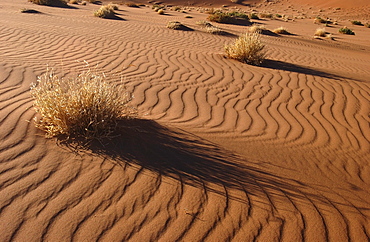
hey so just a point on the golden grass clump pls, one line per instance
(85, 106)
(281, 30)
(248, 48)
(255, 28)
(56, 3)
(105, 11)
(320, 32)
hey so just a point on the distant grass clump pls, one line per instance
(346, 30)
(85, 106)
(253, 16)
(227, 17)
(175, 25)
(266, 15)
(320, 32)
(248, 48)
(106, 11)
(255, 28)
(132, 5)
(160, 11)
(281, 30)
(56, 3)
(355, 22)
(367, 25)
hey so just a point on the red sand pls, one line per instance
(221, 151)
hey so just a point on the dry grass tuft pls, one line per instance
(248, 48)
(85, 106)
(281, 30)
(106, 11)
(320, 32)
(255, 28)
(160, 11)
(56, 3)
(346, 30)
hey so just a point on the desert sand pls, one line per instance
(221, 150)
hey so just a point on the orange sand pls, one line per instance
(222, 150)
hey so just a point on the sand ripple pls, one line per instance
(223, 151)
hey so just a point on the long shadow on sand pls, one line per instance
(285, 66)
(185, 157)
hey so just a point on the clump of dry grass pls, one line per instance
(320, 32)
(281, 30)
(209, 28)
(255, 28)
(160, 11)
(85, 106)
(248, 48)
(57, 3)
(106, 11)
(177, 26)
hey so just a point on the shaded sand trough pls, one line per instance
(222, 150)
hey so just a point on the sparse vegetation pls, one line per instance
(319, 20)
(355, 22)
(227, 17)
(255, 28)
(367, 25)
(281, 30)
(266, 15)
(320, 32)
(56, 3)
(85, 106)
(105, 11)
(131, 5)
(248, 48)
(253, 16)
(176, 25)
(346, 30)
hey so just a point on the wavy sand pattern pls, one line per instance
(223, 151)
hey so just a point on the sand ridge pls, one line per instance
(221, 151)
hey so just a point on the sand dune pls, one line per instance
(221, 150)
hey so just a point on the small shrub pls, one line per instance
(248, 48)
(278, 15)
(56, 3)
(188, 16)
(227, 17)
(266, 15)
(320, 32)
(105, 11)
(255, 28)
(319, 20)
(355, 22)
(346, 30)
(281, 30)
(160, 11)
(113, 6)
(214, 30)
(85, 106)
(204, 23)
(253, 16)
(367, 25)
(131, 5)
(174, 25)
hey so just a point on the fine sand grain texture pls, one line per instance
(221, 150)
